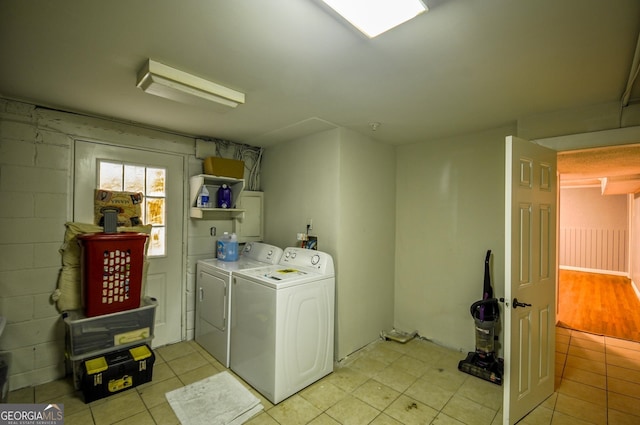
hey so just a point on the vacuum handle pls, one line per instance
(487, 290)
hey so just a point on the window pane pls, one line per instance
(143, 213)
(152, 183)
(110, 176)
(156, 182)
(157, 241)
(155, 211)
(134, 178)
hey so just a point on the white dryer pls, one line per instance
(214, 295)
(282, 328)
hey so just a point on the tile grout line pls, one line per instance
(606, 378)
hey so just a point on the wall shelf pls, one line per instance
(213, 183)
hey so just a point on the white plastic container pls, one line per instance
(203, 198)
(227, 247)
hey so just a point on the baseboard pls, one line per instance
(582, 269)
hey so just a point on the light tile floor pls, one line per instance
(598, 382)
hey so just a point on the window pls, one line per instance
(152, 183)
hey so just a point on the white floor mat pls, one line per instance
(217, 400)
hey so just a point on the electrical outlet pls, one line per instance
(310, 223)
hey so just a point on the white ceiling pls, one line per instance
(465, 66)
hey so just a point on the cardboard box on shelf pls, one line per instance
(224, 167)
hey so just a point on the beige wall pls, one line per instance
(300, 181)
(366, 240)
(594, 230)
(588, 208)
(450, 211)
(576, 121)
(345, 183)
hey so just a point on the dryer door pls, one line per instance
(212, 312)
(212, 300)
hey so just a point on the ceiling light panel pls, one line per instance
(373, 17)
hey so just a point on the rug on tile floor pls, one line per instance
(217, 400)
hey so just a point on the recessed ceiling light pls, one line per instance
(373, 17)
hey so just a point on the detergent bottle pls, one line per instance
(224, 196)
(227, 247)
(203, 198)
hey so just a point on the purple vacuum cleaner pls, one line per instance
(483, 362)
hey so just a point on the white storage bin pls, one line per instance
(91, 336)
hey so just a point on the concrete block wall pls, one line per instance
(34, 199)
(36, 196)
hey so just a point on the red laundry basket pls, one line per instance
(111, 271)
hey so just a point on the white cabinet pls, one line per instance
(213, 183)
(250, 225)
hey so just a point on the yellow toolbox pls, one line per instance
(116, 371)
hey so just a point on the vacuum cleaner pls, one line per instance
(483, 362)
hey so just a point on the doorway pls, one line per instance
(165, 272)
(594, 289)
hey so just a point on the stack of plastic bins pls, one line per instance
(88, 337)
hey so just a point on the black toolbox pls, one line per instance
(116, 371)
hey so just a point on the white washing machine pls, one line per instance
(282, 327)
(214, 295)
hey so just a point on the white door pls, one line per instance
(530, 276)
(165, 272)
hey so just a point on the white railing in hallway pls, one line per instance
(597, 249)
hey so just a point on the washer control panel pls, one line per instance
(319, 261)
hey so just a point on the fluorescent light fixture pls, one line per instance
(373, 17)
(164, 81)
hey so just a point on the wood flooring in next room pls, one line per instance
(598, 303)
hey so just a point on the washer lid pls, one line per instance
(231, 266)
(280, 276)
(279, 273)
(285, 274)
